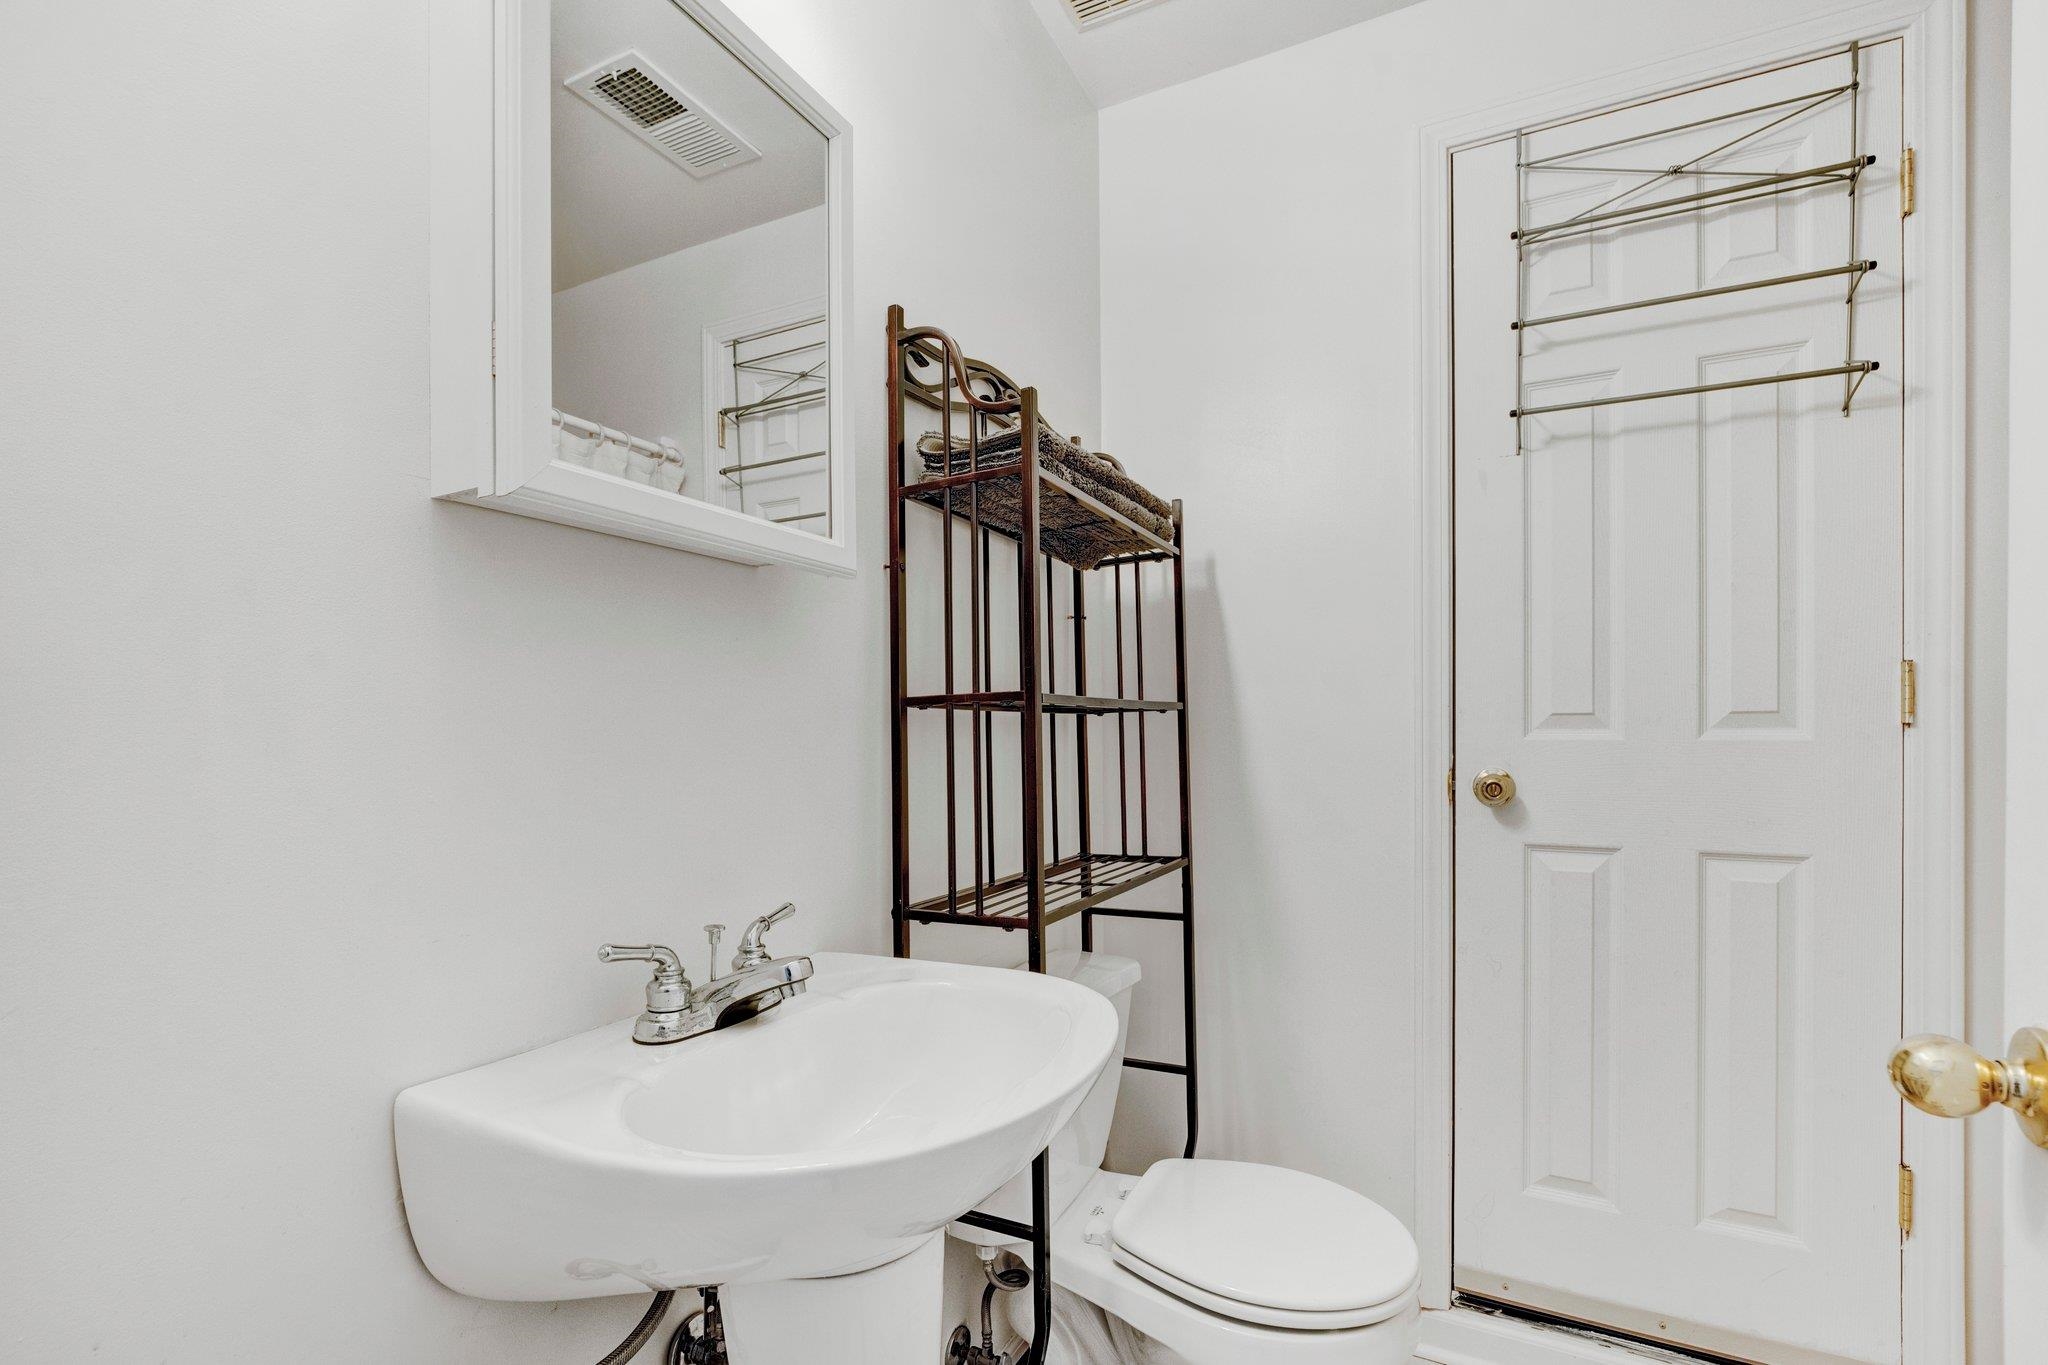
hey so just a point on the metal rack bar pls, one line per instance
(771, 404)
(1852, 382)
(1141, 1064)
(1563, 235)
(1783, 182)
(952, 760)
(1853, 268)
(899, 715)
(1521, 280)
(777, 331)
(731, 469)
(1690, 163)
(1856, 367)
(1144, 766)
(1814, 96)
(1061, 703)
(988, 670)
(1123, 744)
(1172, 1069)
(1052, 724)
(977, 653)
(761, 361)
(996, 1223)
(1654, 171)
(1187, 841)
(1083, 778)
(1032, 834)
(1041, 1260)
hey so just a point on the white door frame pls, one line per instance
(1936, 371)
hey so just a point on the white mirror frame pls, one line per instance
(492, 351)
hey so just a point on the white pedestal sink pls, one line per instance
(834, 1134)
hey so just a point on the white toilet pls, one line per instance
(1216, 1262)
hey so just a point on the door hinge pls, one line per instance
(494, 350)
(1905, 1200)
(1908, 187)
(1909, 691)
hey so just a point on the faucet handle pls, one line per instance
(669, 988)
(714, 932)
(752, 952)
(664, 958)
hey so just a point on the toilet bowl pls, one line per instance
(1216, 1262)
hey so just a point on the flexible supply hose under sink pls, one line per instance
(642, 1331)
(1007, 1272)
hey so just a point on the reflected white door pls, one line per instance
(774, 463)
(1678, 627)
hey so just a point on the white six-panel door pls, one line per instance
(1678, 626)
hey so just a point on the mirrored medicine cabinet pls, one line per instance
(638, 279)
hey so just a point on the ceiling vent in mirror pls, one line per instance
(1089, 13)
(633, 93)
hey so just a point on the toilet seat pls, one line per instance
(1258, 1314)
(1185, 1332)
(1265, 1245)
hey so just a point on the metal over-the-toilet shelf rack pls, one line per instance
(1071, 858)
(1732, 186)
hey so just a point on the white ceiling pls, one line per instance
(617, 201)
(1171, 41)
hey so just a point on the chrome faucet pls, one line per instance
(677, 1010)
(752, 952)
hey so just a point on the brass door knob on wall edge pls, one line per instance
(1951, 1080)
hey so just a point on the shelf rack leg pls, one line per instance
(1187, 872)
(899, 714)
(1031, 710)
(1037, 673)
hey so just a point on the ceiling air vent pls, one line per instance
(633, 93)
(1089, 13)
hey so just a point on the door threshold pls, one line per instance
(1475, 1331)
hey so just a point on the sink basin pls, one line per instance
(834, 1133)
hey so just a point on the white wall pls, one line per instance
(1260, 317)
(315, 787)
(629, 345)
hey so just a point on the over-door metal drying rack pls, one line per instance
(1613, 213)
(786, 395)
(1053, 882)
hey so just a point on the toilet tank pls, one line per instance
(1076, 1148)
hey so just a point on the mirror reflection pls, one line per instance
(690, 267)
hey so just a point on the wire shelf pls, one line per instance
(1071, 886)
(1051, 703)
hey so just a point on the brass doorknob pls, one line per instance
(1951, 1080)
(1494, 787)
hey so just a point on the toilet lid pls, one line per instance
(1265, 1244)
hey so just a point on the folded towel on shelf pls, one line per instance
(1001, 448)
(1068, 529)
